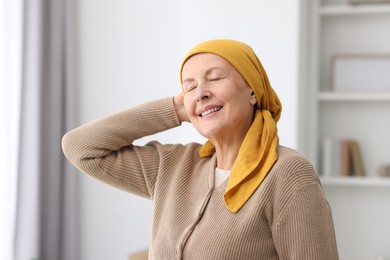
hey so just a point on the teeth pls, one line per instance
(209, 111)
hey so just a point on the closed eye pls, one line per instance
(214, 79)
(190, 87)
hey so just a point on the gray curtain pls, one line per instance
(46, 217)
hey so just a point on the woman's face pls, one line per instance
(217, 99)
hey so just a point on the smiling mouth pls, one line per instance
(209, 111)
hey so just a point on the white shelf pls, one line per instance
(336, 27)
(356, 181)
(355, 9)
(368, 96)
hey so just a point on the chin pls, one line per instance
(208, 129)
(209, 133)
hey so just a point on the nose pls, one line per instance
(202, 92)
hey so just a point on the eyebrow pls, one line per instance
(208, 71)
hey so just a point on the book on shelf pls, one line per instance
(345, 160)
(351, 161)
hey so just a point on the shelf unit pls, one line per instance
(360, 205)
(336, 27)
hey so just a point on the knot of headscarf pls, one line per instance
(257, 153)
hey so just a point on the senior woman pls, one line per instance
(241, 195)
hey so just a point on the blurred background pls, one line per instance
(66, 62)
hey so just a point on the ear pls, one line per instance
(253, 99)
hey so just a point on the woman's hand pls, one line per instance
(179, 106)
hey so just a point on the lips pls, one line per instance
(208, 110)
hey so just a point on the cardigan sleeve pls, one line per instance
(104, 148)
(301, 219)
(306, 231)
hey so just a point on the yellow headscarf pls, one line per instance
(257, 153)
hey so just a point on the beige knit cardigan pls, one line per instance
(287, 217)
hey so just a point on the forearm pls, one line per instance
(110, 134)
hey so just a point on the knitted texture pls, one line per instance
(287, 217)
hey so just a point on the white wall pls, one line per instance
(130, 52)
